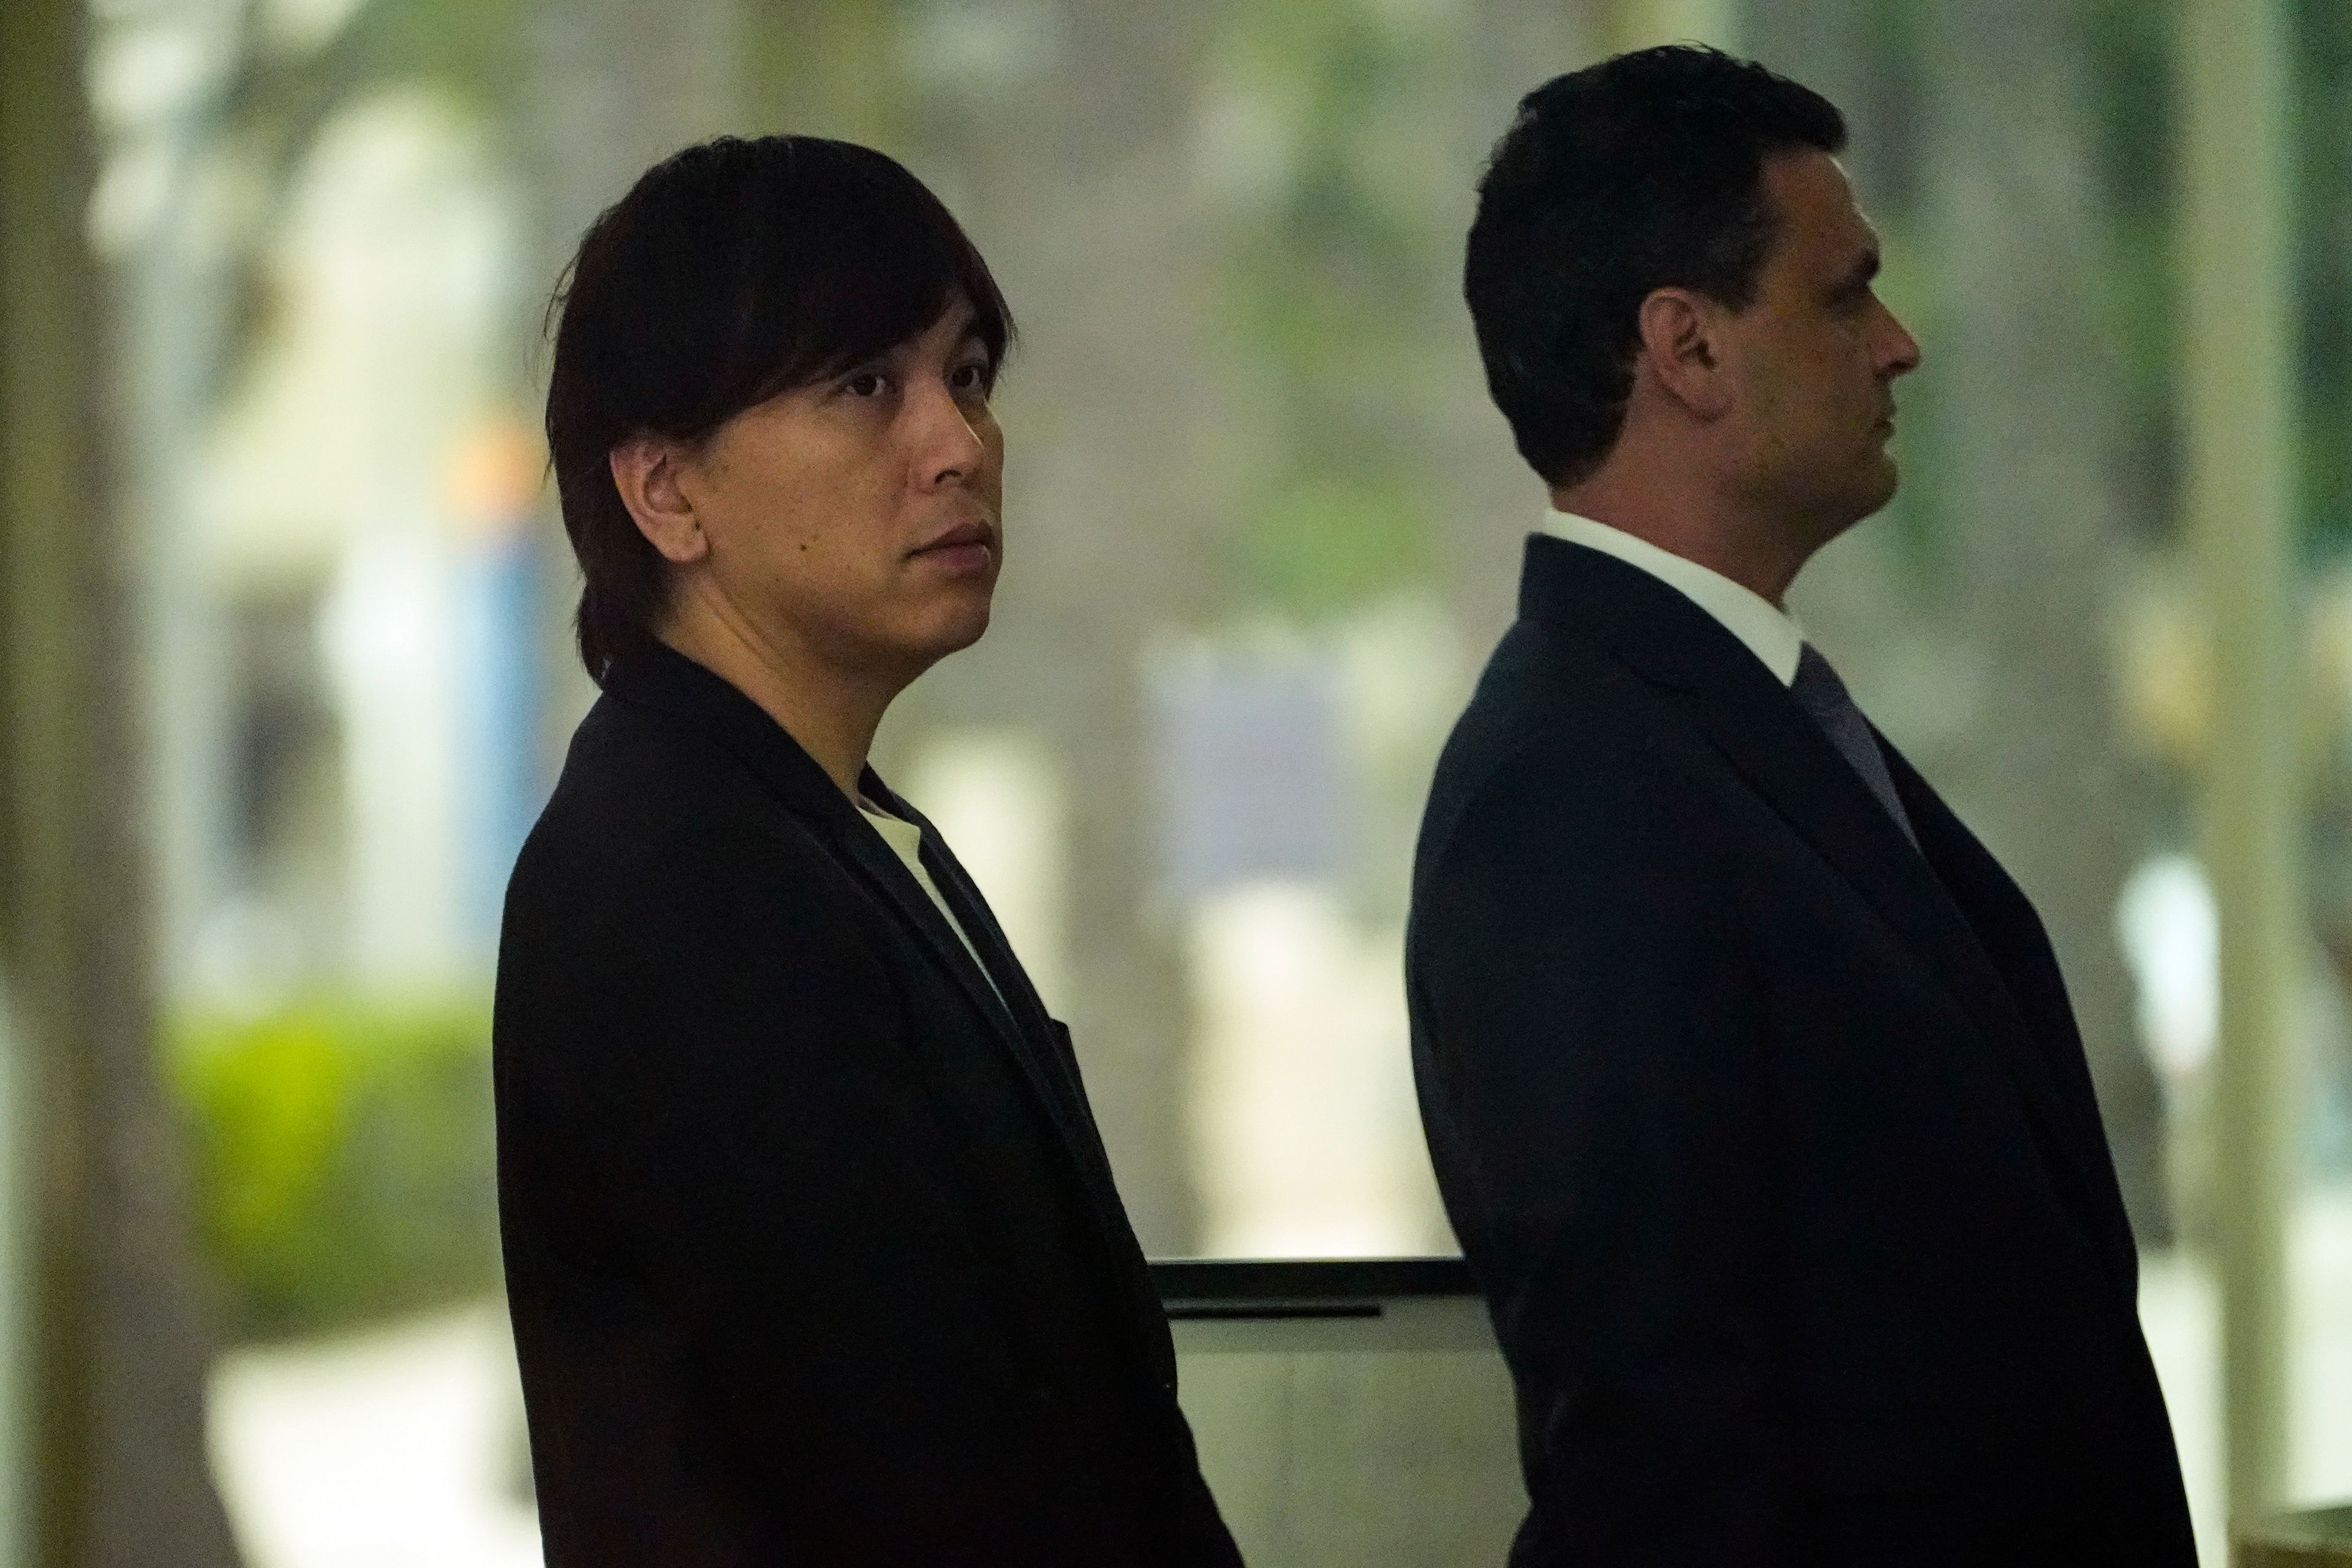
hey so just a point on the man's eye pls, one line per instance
(968, 378)
(865, 384)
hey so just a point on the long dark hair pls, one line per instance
(731, 272)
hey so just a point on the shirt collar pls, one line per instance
(901, 835)
(1770, 633)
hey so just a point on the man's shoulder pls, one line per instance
(1558, 713)
(1568, 755)
(646, 799)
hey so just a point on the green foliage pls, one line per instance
(2136, 122)
(282, 97)
(2320, 132)
(1328, 544)
(1339, 288)
(2132, 49)
(828, 68)
(343, 1158)
(471, 47)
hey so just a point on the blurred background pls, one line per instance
(284, 642)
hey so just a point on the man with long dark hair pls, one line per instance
(1749, 1077)
(812, 1250)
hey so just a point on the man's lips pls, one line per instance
(967, 544)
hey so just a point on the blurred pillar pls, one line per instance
(113, 1471)
(2022, 394)
(2236, 370)
(1638, 24)
(44, 407)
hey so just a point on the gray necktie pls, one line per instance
(1823, 696)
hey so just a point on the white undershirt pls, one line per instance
(1768, 632)
(905, 841)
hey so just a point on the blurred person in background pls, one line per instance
(1750, 1078)
(813, 1251)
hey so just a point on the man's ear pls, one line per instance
(645, 470)
(1681, 336)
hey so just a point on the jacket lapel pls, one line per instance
(1033, 1026)
(878, 865)
(1047, 1041)
(667, 681)
(1011, 1005)
(1039, 1045)
(662, 679)
(1753, 723)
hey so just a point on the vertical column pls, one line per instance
(112, 1356)
(2024, 400)
(1638, 24)
(45, 401)
(2236, 413)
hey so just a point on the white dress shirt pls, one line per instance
(905, 841)
(1765, 629)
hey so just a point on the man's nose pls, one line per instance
(1900, 352)
(946, 445)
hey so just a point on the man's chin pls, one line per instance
(1890, 480)
(1871, 496)
(973, 633)
(1830, 516)
(953, 634)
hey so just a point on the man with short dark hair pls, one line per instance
(1749, 1077)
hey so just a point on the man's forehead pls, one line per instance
(1814, 205)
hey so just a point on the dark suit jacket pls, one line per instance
(1768, 1135)
(811, 1248)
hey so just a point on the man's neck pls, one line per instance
(832, 715)
(1681, 524)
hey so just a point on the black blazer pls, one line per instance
(1769, 1135)
(813, 1252)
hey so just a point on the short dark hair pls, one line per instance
(731, 272)
(1641, 172)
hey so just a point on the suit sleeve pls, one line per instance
(1588, 1040)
